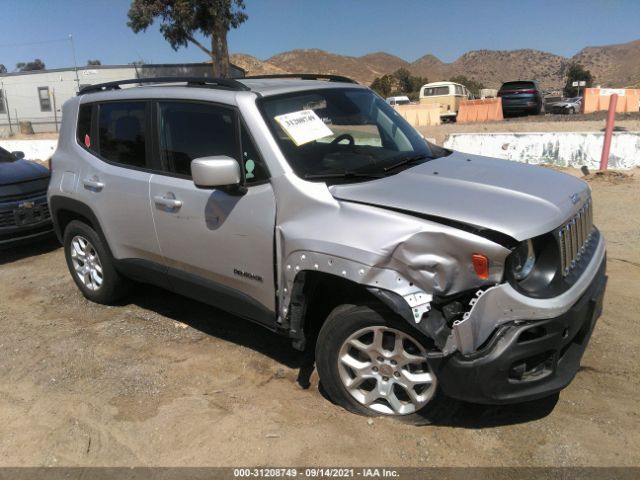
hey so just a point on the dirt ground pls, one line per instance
(165, 381)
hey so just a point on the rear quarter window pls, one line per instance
(518, 86)
(83, 130)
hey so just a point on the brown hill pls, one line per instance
(363, 69)
(495, 67)
(254, 66)
(431, 67)
(612, 65)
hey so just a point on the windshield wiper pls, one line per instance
(406, 161)
(346, 174)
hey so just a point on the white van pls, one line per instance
(447, 94)
(399, 100)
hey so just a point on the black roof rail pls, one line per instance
(223, 83)
(305, 76)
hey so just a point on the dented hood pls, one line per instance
(516, 199)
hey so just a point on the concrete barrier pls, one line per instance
(420, 115)
(33, 149)
(566, 149)
(596, 99)
(485, 110)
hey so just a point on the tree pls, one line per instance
(404, 79)
(3, 69)
(182, 20)
(576, 73)
(472, 85)
(383, 85)
(91, 63)
(37, 64)
(400, 82)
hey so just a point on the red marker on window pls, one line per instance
(87, 141)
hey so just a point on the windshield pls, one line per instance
(343, 133)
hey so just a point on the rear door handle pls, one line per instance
(167, 202)
(93, 184)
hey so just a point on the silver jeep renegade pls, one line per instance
(308, 205)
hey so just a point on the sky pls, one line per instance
(406, 28)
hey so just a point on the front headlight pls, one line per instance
(522, 260)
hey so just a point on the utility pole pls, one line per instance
(6, 107)
(55, 111)
(75, 61)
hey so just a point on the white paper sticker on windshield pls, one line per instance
(303, 126)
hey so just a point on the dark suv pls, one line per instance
(521, 97)
(24, 212)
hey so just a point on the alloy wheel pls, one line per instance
(385, 370)
(86, 263)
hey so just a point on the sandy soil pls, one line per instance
(162, 380)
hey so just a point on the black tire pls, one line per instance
(114, 286)
(344, 321)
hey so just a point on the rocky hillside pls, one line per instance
(612, 65)
(616, 65)
(254, 66)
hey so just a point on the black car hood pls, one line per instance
(18, 171)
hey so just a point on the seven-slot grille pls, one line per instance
(574, 236)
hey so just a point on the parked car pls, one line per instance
(309, 206)
(24, 213)
(521, 97)
(398, 100)
(446, 94)
(568, 106)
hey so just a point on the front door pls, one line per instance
(217, 244)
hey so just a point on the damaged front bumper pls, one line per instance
(525, 359)
(501, 304)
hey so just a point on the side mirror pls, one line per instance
(18, 155)
(216, 171)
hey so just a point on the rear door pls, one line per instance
(217, 244)
(115, 173)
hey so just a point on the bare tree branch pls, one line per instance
(199, 45)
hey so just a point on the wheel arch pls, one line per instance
(314, 294)
(64, 210)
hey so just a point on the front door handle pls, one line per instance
(93, 184)
(167, 202)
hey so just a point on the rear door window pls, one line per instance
(121, 133)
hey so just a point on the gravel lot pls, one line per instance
(165, 381)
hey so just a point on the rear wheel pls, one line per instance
(371, 363)
(91, 265)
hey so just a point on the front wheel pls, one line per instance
(371, 363)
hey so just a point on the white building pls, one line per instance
(37, 96)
